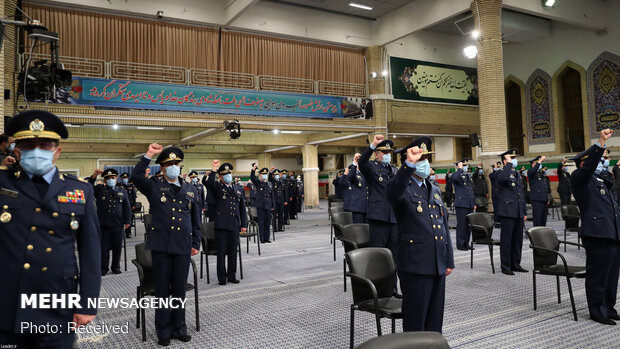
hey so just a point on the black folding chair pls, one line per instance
(571, 217)
(209, 248)
(354, 236)
(545, 245)
(481, 225)
(339, 220)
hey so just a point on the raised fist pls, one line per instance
(254, 166)
(9, 160)
(605, 134)
(346, 171)
(215, 164)
(154, 149)
(377, 139)
(414, 154)
(542, 158)
(97, 173)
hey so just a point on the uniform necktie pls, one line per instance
(40, 184)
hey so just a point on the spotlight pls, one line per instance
(470, 51)
(475, 34)
(548, 3)
(384, 73)
(160, 14)
(115, 126)
(233, 128)
(276, 131)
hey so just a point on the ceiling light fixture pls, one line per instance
(384, 73)
(363, 7)
(475, 34)
(470, 51)
(291, 132)
(115, 126)
(548, 3)
(150, 128)
(276, 131)
(373, 74)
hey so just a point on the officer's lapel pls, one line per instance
(26, 186)
(55, 187)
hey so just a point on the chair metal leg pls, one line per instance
(138, 309)
(334, 243)
(491, 256)
(125, 249)
(207, 264)
(344, 273)
(247, 245)
(378, 324)
(143, 315)
(258, 242)
(393, 325)
(240, 262)
(564, 239)
(201, 262)
(331, 234)
(196, 301)
(572, 299)
(352, 327)
(557, 281)
(471, 265)
(534, 284)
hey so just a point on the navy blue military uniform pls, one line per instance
(538, 192)
(286, 192)
(175, 230)
(300, 194)
(279, 200)
(464, 202)
(480, 183)
(230, 217)
(448, 189)
(200, 189)
(494, 191)
(424, 245)
(292, 205)
(265, 203)
(511, 210)
(338, 189)
(114, 211)
(132, 194)
(563, 184)
(44, 221)
(600, 233)
(380, 216)
(252, 188)
(355, 194)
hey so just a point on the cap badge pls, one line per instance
(37, 126)
(173, 155)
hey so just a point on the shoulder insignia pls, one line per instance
(61, 176)
(4, 168)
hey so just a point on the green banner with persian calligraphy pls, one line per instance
(433, 82)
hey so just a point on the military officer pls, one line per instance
(464, 202)
(433, 177)
(511, 210)
(114, 211)
(563, 183)
(425, 255)
(377, 173)
(230, 219)
(300, 194)
(449, 190)
(480, 183)
(158, 174)
(210, 200)
(175, 235)
(252, 188)
(292, 204)
(338, 190)
(495, 189)
(46, 217)
(600, 231)
(286, 192)
(133, 195)
(355, 191)
(538, 191)
(265, 201)
(278, 194)
(200, 190)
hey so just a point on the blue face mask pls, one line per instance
(173, 171)
(565, 169)
(465, 167)
(514, 162)
(37, 162)
(433, 177)
(227, 178)
(599, 168)
(277, 177)
(283, 176)
(263, 176)
(480, 171)
(496, 169)
(606, 163)
(545, 172)
(194, 180)
(111, 182)
(387, 158)
(11, 146)
(422, 168)
(125, 181)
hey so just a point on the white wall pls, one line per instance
(443, 148)
(288, 163)
(567, 42)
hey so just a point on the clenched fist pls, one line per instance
(414, 154)
(96, 173)
(377, 139)
(605, 134)
(154, 149)
(215, 164)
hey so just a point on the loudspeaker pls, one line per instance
(473, 138)
(7, 94)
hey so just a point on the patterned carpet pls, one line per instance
(292, 297)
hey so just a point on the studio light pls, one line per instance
(470, 51)
(363, 7)
(548, 3)
(233, 128)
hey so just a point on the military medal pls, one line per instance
(359, 185)
(419, 209)
(5, 217)
(513, 184)
(380, 179)
(602, 191)
(163, 198)
(103, 198)
(224, 197)
(74, 224)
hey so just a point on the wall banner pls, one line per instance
(169, 97)
(603, 86)
(538, 100)
(433, 82)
